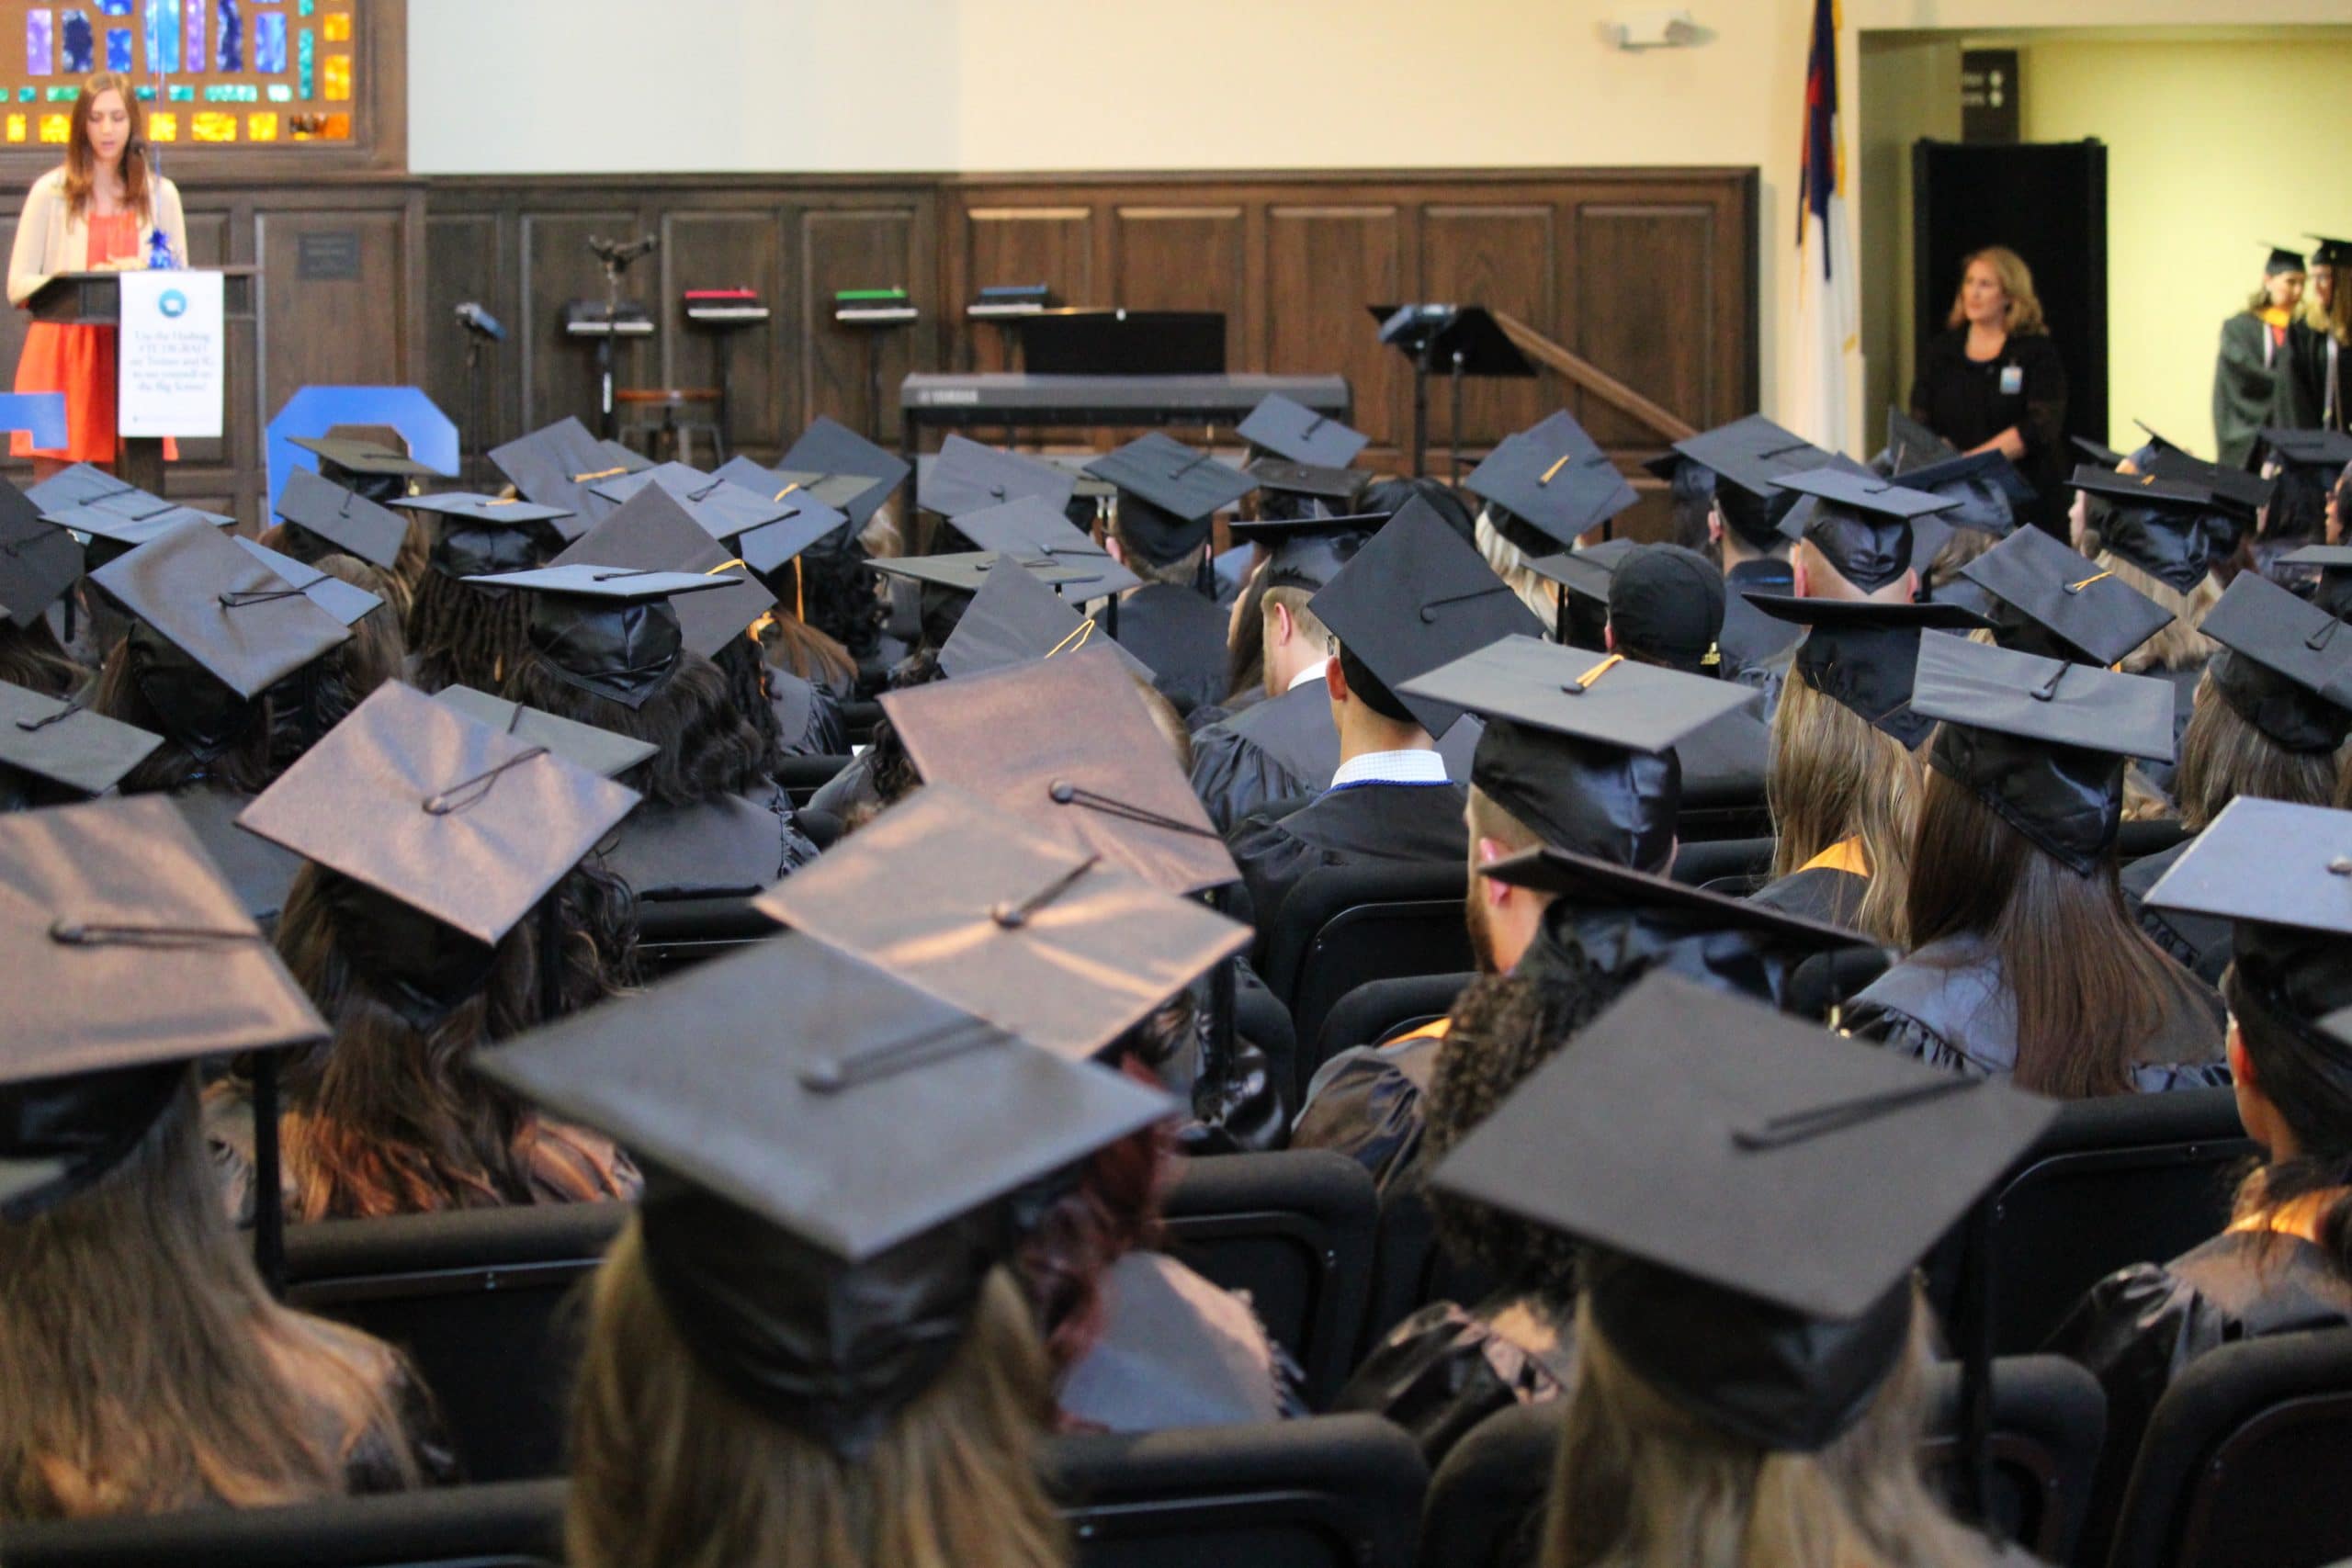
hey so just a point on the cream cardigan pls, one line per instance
(49, 242)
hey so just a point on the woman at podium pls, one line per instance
(103, 210)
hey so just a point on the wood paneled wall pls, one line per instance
(1650, 273)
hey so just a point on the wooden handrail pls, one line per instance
(1594, 380)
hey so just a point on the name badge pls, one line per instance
(2012, 380)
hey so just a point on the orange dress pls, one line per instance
(79, 361)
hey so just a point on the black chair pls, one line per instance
(1332, 1491)
(1260, 1018)
(678, 933)
(1343, 925)
(482, 1301)
(1733, 866)
(2244, 1459)
(2135, 840)
(2130, 1179)
(1379, 1010)
(1826, 982)
(804, 776)
(1294, 1229)
(2048, 1419)
(859, 719)
(514, 1524)
(1410, 1269)
(1701, 821)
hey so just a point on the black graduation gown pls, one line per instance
(1282, 748)
(1181, 635)
(258, 871)
(2139, 1327)
(2254, 384)
(1947, 1006)
(1823, 893)
(1367, 1103)
(1965, 403)
(807, 715)
(1345, 826)
(2200, 942)
(1750, 637)
(732, 845)
(2320, 360)
(1448, 1367)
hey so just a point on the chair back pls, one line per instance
(516, 1523)
(1379, 1010)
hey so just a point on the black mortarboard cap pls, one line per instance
(2054, 602)
(653, 531)
(39, 561)
(1416, 597)
(139, 958)
(1307, 551)
(2098, 452)
(1860, 521)
(1032, 532)
(2330, 253)
(243, 624)
(347, 601)
(2333, 592)
(1335, 490)
(967, 572)
(601, 751)
(439, 812)
(2283, 873)
(1988, 492)
(340, 520)
(2279, 654)
(1016, 619)
(854, 496)
(1290, 430)
(66, 746)
(2168, 529)
(478, 535)
(824, 1180)
(1169, 494)
(364, 458)
(1554, 480)
(2329, 450)
(830, 447)
(1776, 1315)
(1862, 655)
(1578, 747)
(1066, 746)
(969, 475)
(2040, 742)
(555, 464)
(2283, 260)
(1750, 457)
(609, 630)
(2238, 496)
(721, 508)
(1911, 444)
(976, 906)
(460, 505)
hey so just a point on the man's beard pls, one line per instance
(1476, 915)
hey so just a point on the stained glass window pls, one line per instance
(265, 71)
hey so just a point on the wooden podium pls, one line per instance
(95, 299)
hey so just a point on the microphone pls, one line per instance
(613, 253)
(474, 319)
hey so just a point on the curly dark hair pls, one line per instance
(744, 665)
(1505, 1027)
(464, 637)
(317, 697)
(240, 767)
(707, 749)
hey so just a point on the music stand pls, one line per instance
(1463, 340)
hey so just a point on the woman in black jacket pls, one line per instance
(1993, 380)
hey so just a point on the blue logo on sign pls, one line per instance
(174, 302)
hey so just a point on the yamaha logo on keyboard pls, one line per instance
(938, 396)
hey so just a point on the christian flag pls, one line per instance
(1828, 289)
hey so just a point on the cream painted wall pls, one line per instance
(2213, 148)
(614, 86)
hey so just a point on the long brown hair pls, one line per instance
(386, 1119)
(2182, 642)
(1834, 775)
(791, 643)
(2091, 990)
(32, 658)
(707, 747)
(146, 1369)
(1640, 1482)
(2022, 316)
(2224, 757)
(82, 159)
(671, 1466)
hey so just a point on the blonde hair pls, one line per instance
(2181, 643)
(2023, 318)
(1510, 564)
(145, 1369)
(1834, 775)
(670, 1466)
(1302, 620)
(1641, 1482)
